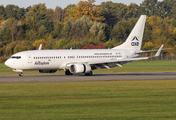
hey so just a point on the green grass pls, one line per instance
(136, 66)
(98, 100)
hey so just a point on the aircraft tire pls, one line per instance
(20, 74)
(89, 74)
(67, 72)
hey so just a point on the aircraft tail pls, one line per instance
(134, 39)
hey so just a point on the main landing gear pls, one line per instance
(89, 74)
(67, 72)
(20, 74)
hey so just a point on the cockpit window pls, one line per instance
(16, 57)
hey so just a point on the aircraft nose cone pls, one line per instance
(7, 63)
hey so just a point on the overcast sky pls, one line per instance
(62, 3)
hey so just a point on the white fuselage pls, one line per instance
(57, 59)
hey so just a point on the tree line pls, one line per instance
(85, 24)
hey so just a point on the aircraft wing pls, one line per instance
(112, 63)
(128, 59)
(120, 60)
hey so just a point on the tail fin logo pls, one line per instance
(137, 41)
(135, 38)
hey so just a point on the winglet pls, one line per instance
(159, 51)
(40, 47)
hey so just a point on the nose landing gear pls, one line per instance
(20, 71)
(20, 74)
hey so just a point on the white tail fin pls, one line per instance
(134, 40)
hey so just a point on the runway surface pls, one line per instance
(95, 77)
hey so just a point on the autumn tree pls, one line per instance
(86, 8)
(159, 31)
(98, 31)
(111, 12)
(23, 46)
(2, 12)
(36, 15)
(65, 30)
(14, 29)
(114, 12)
(58, 14)
(174, 11)
(39, 17)
(13, 11)
(41, 31)
(4, 32)
(50, 14)
(31, 35)
(163, 8)
(132, 11)
(56, 33)
(80, 28)
(38, 42)
(122, 29)
(68, 12)
(148, 7)
(60, 43)
(85, 29)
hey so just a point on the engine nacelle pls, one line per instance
(47, 71)
(79, 68)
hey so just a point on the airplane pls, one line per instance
(79, 61)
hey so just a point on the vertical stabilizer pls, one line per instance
(134, 40)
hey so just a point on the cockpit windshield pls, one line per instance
(15, 57)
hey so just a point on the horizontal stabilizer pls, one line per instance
(146, 51)
(159, 51)
(151, 51)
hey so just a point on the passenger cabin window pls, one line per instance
(53, 57)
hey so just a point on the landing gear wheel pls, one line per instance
(67, 72)
(20, 74)
(89, 74)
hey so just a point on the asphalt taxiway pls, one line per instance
(95, 77)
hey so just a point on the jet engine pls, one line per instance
(47, 71)
(79, 68)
